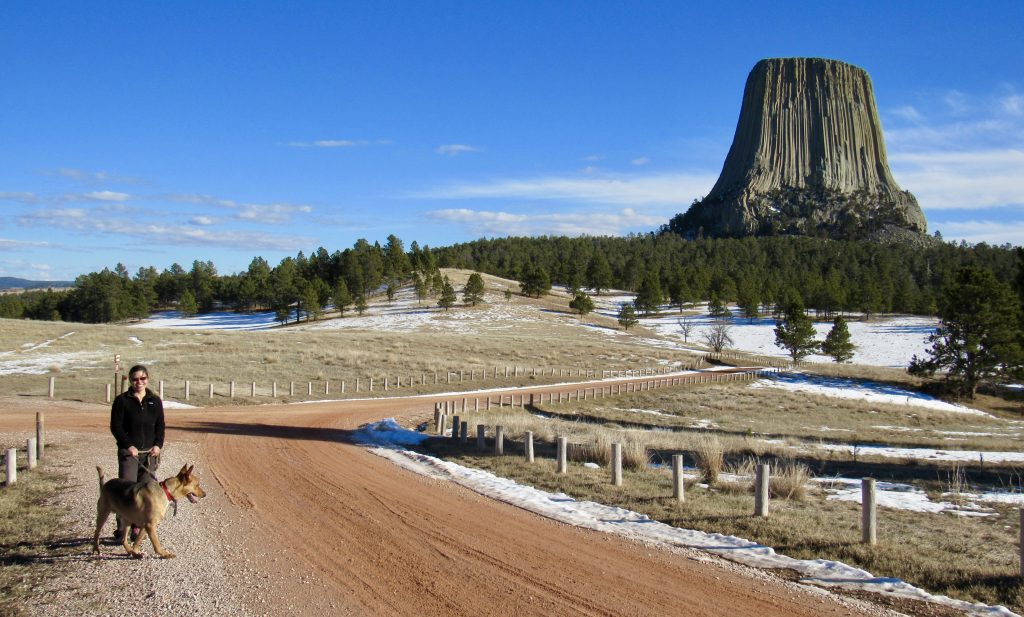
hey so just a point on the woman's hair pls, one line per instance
(137, 368)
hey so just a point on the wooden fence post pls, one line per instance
(481, 436)
(51, 387)
(563, 445)
(273, 389)
(528, 446)
(186, 389)
(617, 464)
(252, 391)
(761, 490)
(12, 466)
(211, 390)
(309, 388)
(40, 435)
(869, 522)
(464, 432)
(231, 390)
(499, 440)
(455, 428)
(108, 392)
(678, 487)
(161, 391)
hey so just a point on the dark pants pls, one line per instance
(130, 468)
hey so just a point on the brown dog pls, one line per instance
(143, 505)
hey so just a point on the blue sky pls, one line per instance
(155, 133)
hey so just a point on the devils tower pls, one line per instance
(808, 158)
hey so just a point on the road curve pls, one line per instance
(350, 533)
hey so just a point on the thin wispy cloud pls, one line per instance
(653, 190)
(963, 180)
(20, 197)
(162, 234)
(202, 220)
(499, 223)
(270, 213)
(640, 161)
(992, 232)
(7, 244)
(91, 177)
(203, 200)
(101, 196)
(455, 149)
(329, 143)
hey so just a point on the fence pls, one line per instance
(186, 390)
(34, 449)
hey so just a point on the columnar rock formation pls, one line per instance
(808, 158)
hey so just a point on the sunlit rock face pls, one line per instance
(808, 158)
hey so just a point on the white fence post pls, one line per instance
(30, 450)
(869, 522)
(12, 466)
(528, 445)
(563, 445)
(678, 487)
(617, 464)
(761, 490)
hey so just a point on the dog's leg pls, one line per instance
(102, 513)
(132, 550)
(151, 529)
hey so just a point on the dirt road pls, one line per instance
(348, 532)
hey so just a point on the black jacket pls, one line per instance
(137, 424)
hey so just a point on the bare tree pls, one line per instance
(717, 336)
(686, 328)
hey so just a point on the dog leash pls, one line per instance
(173, 501)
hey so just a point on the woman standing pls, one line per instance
(137, 423)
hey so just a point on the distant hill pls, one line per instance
(11, 282)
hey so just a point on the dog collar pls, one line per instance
(170, 497)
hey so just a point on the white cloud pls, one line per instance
(455, 149)
(161, 234)
(7, 244)
(270, 213)
(498, 223)
(962, 180)
(593, 158)
(1013, 105)
(676, 190)
(21, 197)
(640, 161)
(201, 199)
(329, 143)
(202, 220)
(105, 196)
(992, 232)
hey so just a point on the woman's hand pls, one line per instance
(155, 451)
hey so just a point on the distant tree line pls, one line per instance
(828, 276)
(757, 274)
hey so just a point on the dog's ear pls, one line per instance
(184, 471)
(190, 468)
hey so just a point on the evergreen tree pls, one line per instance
(508, 295)
(342, 297)
(717, 308)
(473, 292)
(448, 298)
(420, 287)
(979, 335)
(187, 304)
(795, 333)
(599, 273)
(837, 343)
(627, 316)
(360, 303)
(649, 296)
(536, 281)
(582, 303)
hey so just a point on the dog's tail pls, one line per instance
(99, 470)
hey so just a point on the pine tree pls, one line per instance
(599, 273)
(649, 296)
(360, 304)
(978, 337)
(837, 343)
(187, 305)
(342, 298)
(448, 298)
(582, 303)
(627, 316)
(795, 333)
(473, 292)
